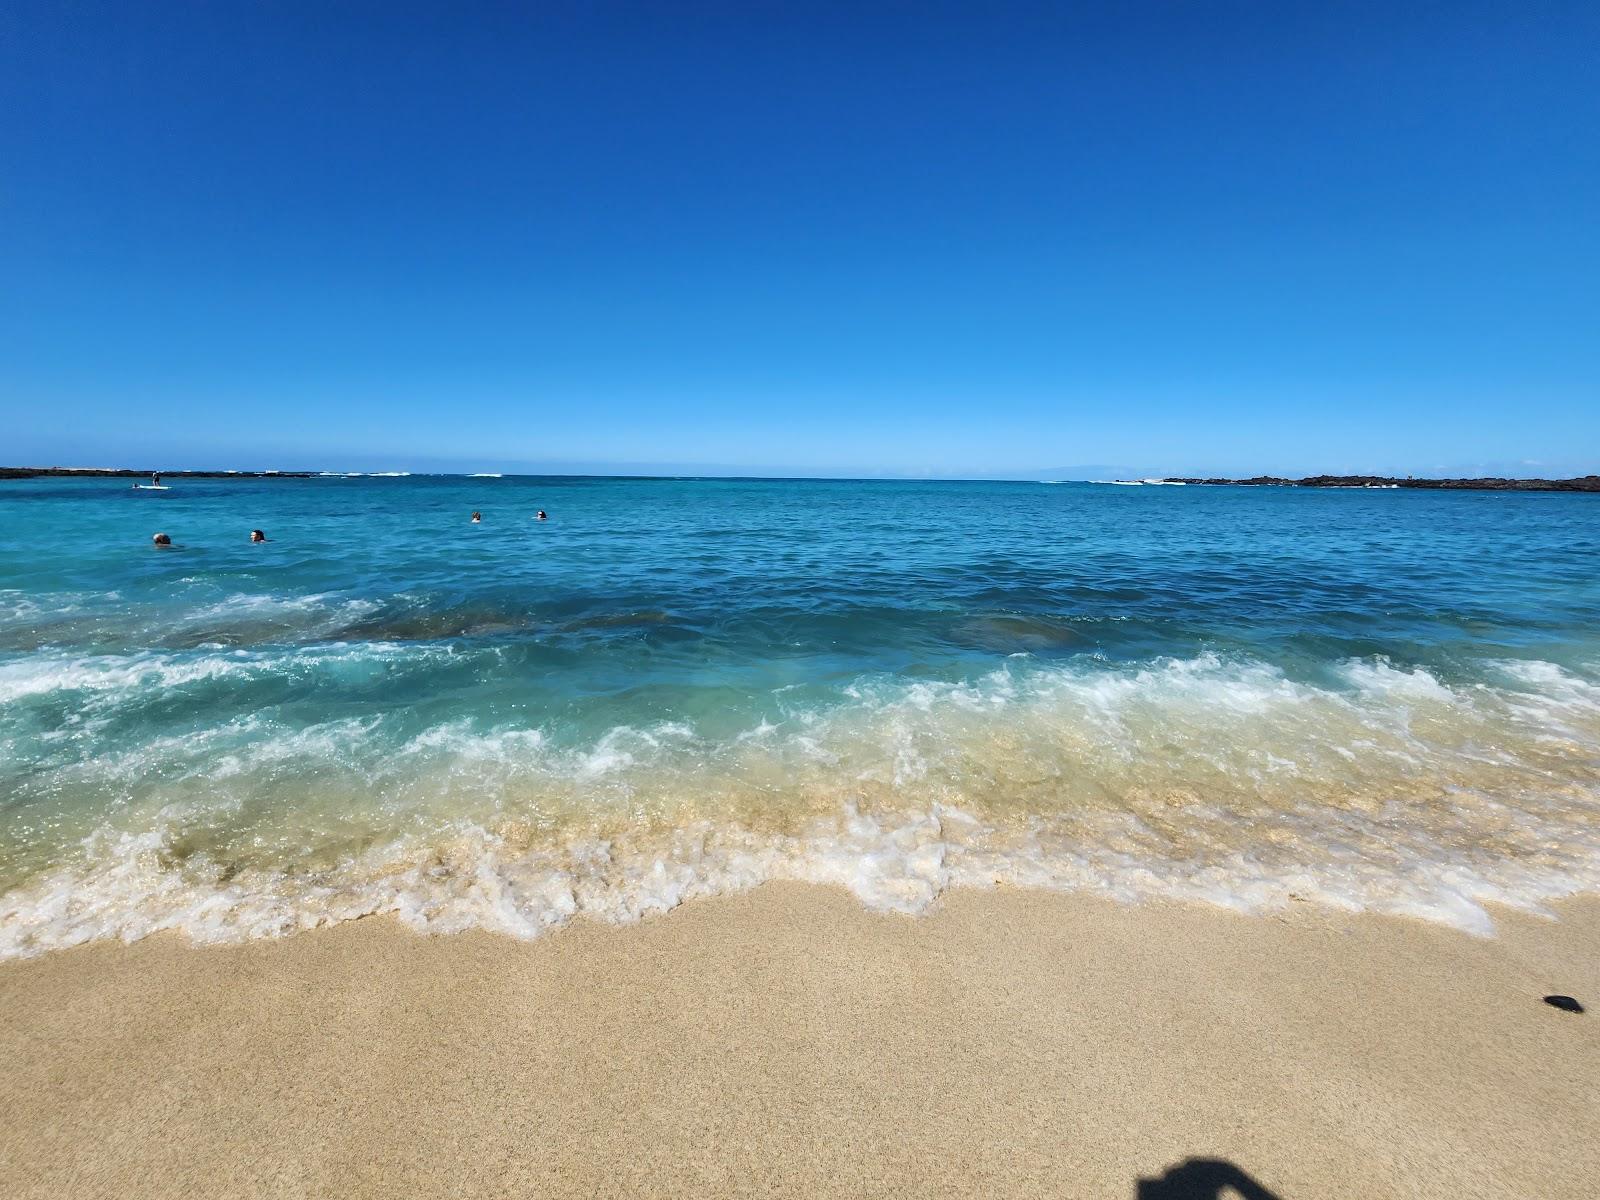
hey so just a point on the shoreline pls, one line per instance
(788, 1041)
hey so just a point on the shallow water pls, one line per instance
(1374, 699)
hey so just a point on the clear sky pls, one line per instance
(912, 238)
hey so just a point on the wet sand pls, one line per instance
(788, 1042)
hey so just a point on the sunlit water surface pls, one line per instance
(1372, 699)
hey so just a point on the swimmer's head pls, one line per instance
(257, 536)
(541, 516)
(476, 517)
(161, 539)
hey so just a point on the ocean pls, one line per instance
(1251, 697)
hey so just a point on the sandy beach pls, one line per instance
(790, 1042)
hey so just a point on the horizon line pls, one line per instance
(19, 471)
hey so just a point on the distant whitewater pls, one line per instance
(674, 689)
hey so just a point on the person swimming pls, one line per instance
(257, 536)
(161, 539)
(477, 518)
(540, 516)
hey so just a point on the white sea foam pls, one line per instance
(310, 615)
(127, 887)
(21, 608)
(1204, 779)
(116, 673)
(129, 676)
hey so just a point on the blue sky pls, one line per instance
(860, 239)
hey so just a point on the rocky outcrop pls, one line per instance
(1583, 483)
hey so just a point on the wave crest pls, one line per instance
(1213, 779)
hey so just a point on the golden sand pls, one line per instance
(788, 1042)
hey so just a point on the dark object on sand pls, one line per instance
(1564, 1003)
(1202, 1179)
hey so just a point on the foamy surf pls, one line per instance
(130, 886)
(1206, 779)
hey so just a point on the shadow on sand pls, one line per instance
(1202, 1179)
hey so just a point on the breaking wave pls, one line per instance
(1221, 779)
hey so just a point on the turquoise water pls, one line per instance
(1374, 699)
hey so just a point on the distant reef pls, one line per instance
(120, 473)
(1584, 483)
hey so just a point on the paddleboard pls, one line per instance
(151, 487)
